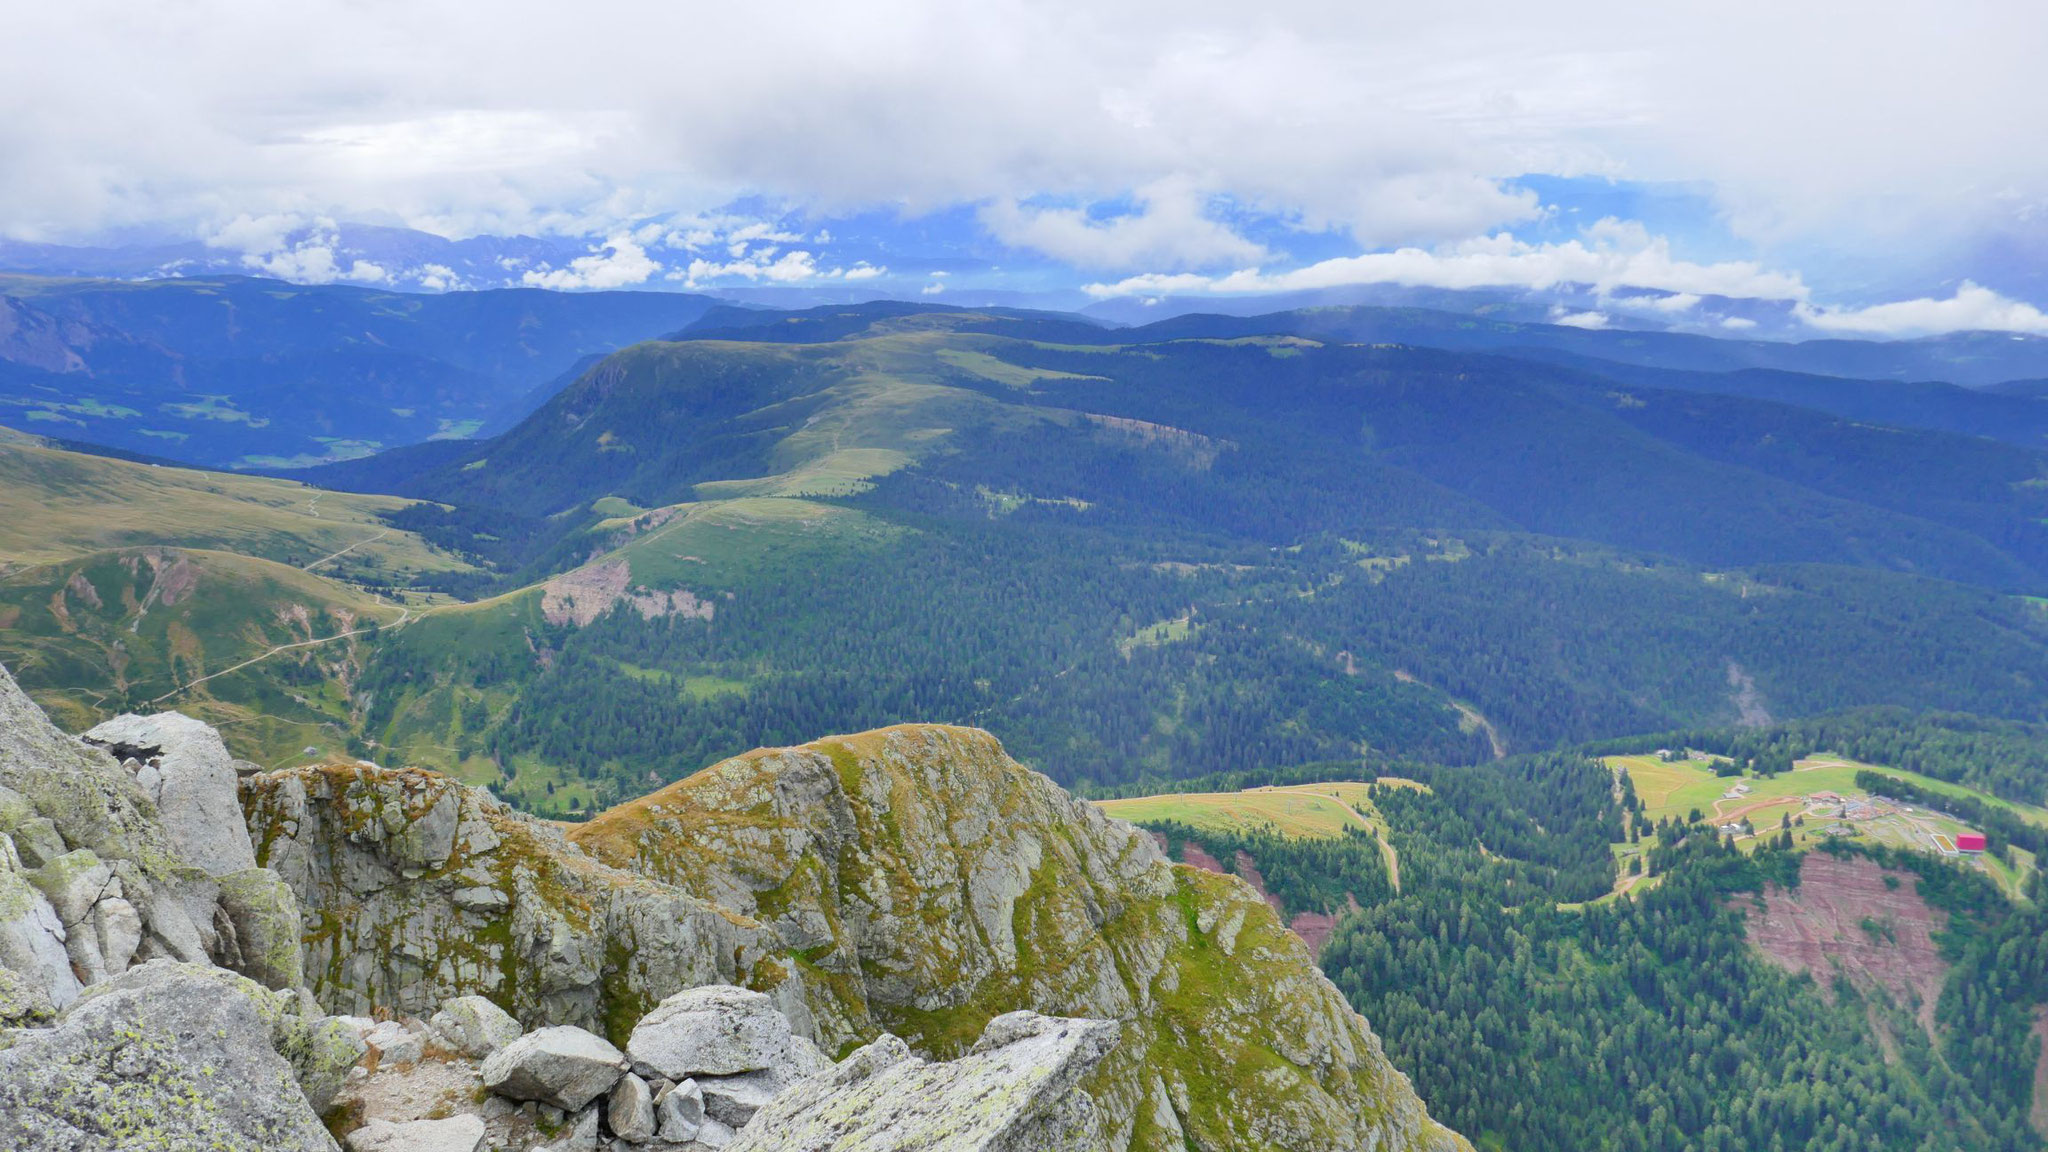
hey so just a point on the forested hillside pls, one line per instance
(1148, 561)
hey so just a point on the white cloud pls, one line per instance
(618, 263)
(1670, 305)
(1972, 308)
(1171, 228)
(290, 248)
(1611, 257)
(1737, 323)
(439, 278)
(1592, 320)
(770, 264)
(1399, 127)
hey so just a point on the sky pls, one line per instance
(1873, 168)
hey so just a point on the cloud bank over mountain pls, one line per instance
(1856, 161)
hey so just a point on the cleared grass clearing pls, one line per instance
(720, 543)
(1315, 811)
(1677, 788)
(1005, 373)
(844, 472)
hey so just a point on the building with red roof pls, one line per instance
(1969, 842)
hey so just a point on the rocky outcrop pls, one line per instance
(922, 883)
(914, 881)
(185, 770)
(93, 876)
(1018, 1090)
(418, 889)
(1852, 918)
(174, 1056)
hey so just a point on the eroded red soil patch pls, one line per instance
(1312, 927)
(1844, 919)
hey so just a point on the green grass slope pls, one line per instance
(268, 653)
(56, 505)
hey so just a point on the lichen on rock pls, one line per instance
(180, 1059)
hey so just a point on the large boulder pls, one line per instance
(473, 1026)
(921, 882)
(179, 1061)
(320, 1049)
(259, 928)
(1016, 1091)
(32, 939)
(563, 1067)
(717, 1030)
(185, 769)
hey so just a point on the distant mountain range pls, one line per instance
(232, 371)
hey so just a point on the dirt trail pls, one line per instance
(404, 614)
(1475, 720)
(1387, 852)
(350, 548)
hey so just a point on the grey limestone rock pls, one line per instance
(680, 1112)
(183, 1061)
(473, 1026)
(23, 1004)
(32, 939)
(319, 1049)
(192, 784)
(449, 892)
(581, 1136)
(395, 1044)
(735, 1099)
(630, 1111)
(455, 1134)
(715, 1134)
(563, 1067)
(715, 1030)
(122, 883)
(1016, 1092)
(263, 913)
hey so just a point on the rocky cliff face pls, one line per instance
(909, 899)
(93, 875)
(418, 889)
(914, 881)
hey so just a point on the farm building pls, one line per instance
(1969, 842)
